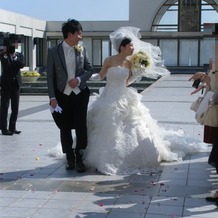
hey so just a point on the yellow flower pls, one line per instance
(140, 60)
(30, 73)
(79, 48)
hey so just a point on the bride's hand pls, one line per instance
(95, 76)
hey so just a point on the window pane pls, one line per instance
(97, 52)
(105, 49)
(209, 17)
(188, 53)
(169, 52)
(207, 50)
(39, 53)
(170, 17)
(51, 43)
(209, 14)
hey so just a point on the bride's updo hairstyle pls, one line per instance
(124, 42)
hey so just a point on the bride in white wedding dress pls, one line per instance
(122, 135)
(123, 138)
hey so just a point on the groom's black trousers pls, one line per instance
(73, 116)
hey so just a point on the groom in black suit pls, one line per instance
(68, 69)
(11, 62)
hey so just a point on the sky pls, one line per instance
(61, 10)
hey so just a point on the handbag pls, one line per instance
(203, 106)
(195, 105)
(210, 117)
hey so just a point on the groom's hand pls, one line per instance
(73, 83)
(53, 103)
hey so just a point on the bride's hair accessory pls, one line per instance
(156, 67)
(120, 34)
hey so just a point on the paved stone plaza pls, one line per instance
(33, 184)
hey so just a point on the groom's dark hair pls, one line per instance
(71, 26)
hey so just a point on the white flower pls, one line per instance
(140, 60)
(79, 48)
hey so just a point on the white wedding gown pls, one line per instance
(122, 136)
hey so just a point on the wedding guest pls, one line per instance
(213, 161)
(11, 81)
(211, 131)
(68, 69)
(210, 81)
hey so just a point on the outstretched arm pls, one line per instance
(198, 89)
(202, 77)
(101, 75)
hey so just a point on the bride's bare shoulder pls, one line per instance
(108, 61)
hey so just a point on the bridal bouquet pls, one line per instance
(140, 60)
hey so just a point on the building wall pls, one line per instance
(28, 26)
(142, 12)
(20, 24)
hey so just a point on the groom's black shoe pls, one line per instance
(212, 199)
(70, 165)
(6, 132)
(15, 131)
(80, 167)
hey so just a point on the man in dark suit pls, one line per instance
(11, 62)
(68, 69)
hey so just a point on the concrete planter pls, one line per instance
(29, 79)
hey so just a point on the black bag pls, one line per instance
(196, 83)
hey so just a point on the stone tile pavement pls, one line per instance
(32, 184)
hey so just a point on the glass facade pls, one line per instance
(172, 13)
